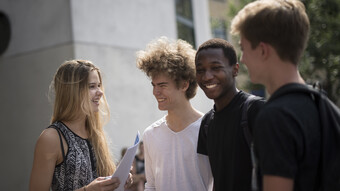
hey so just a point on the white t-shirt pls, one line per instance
(171, 159)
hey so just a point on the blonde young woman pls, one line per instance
(72, 153)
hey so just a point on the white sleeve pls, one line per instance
(150, 178)
(205, 171)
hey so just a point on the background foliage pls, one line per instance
(321, 59)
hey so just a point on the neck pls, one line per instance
(141, 155)
(77, 126)
(179, 118)
(225, 99)
(282, 74)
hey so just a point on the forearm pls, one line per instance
(277, 183)
(82, 189)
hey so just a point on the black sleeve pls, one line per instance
(203, 133)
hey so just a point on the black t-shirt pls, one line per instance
(287, 140)
(224, 142)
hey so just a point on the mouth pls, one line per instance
(160, 99)
(209, 86)
(96, 101)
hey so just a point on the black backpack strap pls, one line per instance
(244, 121)
(249, 140)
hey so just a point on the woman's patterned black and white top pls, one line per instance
(78, 168)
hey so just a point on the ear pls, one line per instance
(265, 50)
(235, 69)
(185, 85)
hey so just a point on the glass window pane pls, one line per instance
(184, 8)
(186, 33)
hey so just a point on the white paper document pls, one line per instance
(123, 169)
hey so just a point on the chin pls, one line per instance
(95, 109)
(210, 96)
(161, 108)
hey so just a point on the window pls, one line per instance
(219, 29)
(185, 24)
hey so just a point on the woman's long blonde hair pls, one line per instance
(71, 89)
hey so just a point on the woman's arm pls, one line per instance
(46, 154)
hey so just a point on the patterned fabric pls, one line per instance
(79, 165)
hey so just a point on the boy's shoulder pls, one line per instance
(155, 125)
(290, 90)
(253, 102)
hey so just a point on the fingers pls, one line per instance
(115, 183)
(129, 181)
(108, 183)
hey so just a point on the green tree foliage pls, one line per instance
(321, 61)
(233, 8)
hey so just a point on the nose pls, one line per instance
(99, 92)
(208, 75)
(156, 91)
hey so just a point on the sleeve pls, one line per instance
(150, 179)
(202, 136)
(277, 143)
(205, 171)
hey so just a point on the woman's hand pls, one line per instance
(109, 184)
(129, 181)
(103, 184)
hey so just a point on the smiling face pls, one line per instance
(214, 74)
(95, 91)
(168, 95)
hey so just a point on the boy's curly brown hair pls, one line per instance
(173, 58)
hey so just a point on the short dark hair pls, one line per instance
(228, 49)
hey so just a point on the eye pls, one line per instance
(94, 86)
(199, 71)
(216, 67)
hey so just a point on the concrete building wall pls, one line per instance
(45, 33)
(25, 110)
(40, 40)
(37, 24)
(201, 16)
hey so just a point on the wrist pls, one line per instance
(85, 188)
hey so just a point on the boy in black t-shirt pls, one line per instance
(286, 134)
(221, 136)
